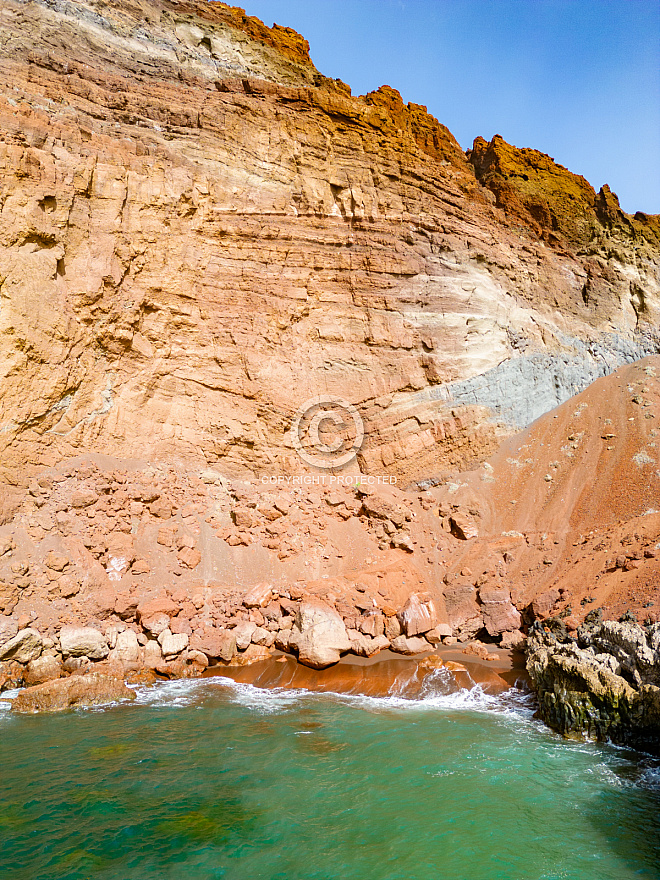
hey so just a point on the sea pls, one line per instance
(214, 778)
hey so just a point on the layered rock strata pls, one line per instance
(199, 232)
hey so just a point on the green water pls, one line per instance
(205, 781)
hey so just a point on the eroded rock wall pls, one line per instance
(198, 232)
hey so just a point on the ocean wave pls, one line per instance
(268, 701)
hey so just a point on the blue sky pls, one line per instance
(578, 79)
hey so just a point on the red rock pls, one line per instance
(155, 624)
(126, 607)
(83, 498)
(189, 557)
(438, 633)
(160, 605)
(543, 605)
(409, 645)
(513, 640)
(57, 561)
(242, 518)
(418, 615)
(499, 614)
(258, 596)
(165, 536)
(477, 649)
(372, 625)
(68, 693)
(216, 643)
(463, 527)
(161, 509)
(140, 566)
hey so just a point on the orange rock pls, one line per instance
(190, 557)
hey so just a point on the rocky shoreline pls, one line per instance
(152, 644)
(603, 684)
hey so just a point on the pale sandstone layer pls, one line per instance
(198, 232)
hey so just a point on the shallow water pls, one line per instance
(208, 779)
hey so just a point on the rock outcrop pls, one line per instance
(605, 684)
(70, 693)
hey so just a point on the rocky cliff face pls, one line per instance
(198, 232)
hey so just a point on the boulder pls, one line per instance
(56, 561)
(323, 636)
(127, 648)
(217, 643)
(83, 641)
(438, 633)
(172, 644)
(365, 646)
(499, 614)
(189, 557)
(72, 692)
(153, 655)
(372, 625)
(465, 615)
(359, 642)
(126, 607)
(155, 625)
(392, 628)
(197, 657)
(44, 668)
(8, 628)
(462, 527)
(9, 596)
(412, 645)
(258, 596)
(379, 643)
(25, 646)
(544, 603)
(263, 637)
(83, 497)
(252, 654)
(418, 615)
(477, 649)
(243, 633)
(514, 641)
(161, 605)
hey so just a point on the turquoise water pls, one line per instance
(201, 780)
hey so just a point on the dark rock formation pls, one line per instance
(605, 684)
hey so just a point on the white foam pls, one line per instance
(266, 701)
(650, 778)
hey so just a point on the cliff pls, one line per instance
(199, 232)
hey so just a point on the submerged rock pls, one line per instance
(604, 685)
(68, 693)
